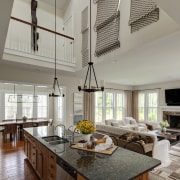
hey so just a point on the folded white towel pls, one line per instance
(106, 145)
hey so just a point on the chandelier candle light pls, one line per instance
(90, 88)
(56, 92)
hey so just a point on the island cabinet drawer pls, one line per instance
(51, 166)
(52, 157)
(52, 176)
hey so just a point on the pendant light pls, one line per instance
(56, 91)
(88, 87)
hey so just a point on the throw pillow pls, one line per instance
(114, 124)
(127, 119)
(133, 121)
(149, 127)
(108, 121)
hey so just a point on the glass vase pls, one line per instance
(163, 129)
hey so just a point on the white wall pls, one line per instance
(13, 74)
(128, 41)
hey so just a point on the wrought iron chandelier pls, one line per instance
(88, 87)
(56, 91)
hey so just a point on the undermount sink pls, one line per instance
(62, 141)
(51, 138)
(54, 140)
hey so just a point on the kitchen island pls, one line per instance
(121, 165)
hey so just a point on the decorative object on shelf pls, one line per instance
(164, 124)
(88, 87)
(56, 91)
(86, 127)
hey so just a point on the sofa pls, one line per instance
(127, 123)
(138, 141)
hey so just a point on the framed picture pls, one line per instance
(78, 107)
(78, 98)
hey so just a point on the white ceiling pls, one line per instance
(155, 62)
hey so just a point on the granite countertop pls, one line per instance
(121, 165)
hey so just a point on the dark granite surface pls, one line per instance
(121, 165)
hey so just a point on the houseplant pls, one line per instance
(86, 127)
(164, 124)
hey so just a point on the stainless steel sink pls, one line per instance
(54, 140)
(62, 141)
(51, 138)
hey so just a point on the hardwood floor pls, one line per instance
(13, 162)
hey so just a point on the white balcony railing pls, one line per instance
(19, 42)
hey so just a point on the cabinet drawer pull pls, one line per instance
(52, 157)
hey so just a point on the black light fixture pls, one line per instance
(56, 91)
(90, 72)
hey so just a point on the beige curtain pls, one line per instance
(128, 103)
(135, 104)
(89, 106)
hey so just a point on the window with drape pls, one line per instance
(148, 104)
(59, 109)
(107, 26)
(10, 108)
(27, 101)
(109, 105)
(143, 13)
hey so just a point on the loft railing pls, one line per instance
(19, 42)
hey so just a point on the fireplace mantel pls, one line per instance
(170, 109)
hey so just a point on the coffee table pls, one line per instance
(172, 136)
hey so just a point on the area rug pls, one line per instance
(172, 170)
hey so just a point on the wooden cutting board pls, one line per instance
(106, 151)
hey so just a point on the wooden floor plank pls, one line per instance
(13, 162)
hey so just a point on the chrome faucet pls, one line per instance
(75, 131)
(61, 125)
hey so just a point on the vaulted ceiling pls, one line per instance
(151, 62)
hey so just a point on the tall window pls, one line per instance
(60, 108)
(27, 108)
(42, 106)
(10, 108)
(109, 105)
(148, 106)
(119, 106)
(98, 106)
